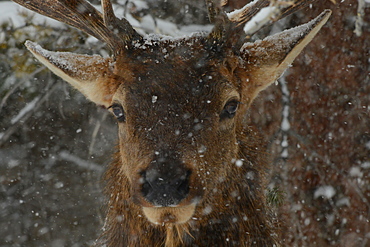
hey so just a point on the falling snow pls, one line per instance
(54, 146)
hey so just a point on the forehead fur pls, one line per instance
(177, 71)
(160, 57)
(195, 96)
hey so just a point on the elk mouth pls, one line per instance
(169, 215)
(170, 202)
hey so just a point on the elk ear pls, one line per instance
(91, 75)
(268, 59)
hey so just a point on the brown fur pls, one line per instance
(232, 211)
(234, 214)
(174, 95)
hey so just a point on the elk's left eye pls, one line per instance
(118, 112)
(230, 109)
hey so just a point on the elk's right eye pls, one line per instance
(230, 109)
(118, 112)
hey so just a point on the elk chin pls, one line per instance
(169, 215)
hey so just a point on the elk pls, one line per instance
(188, 171)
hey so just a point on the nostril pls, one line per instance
(183, 185)
(146, 186)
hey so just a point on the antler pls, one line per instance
(116, 33)
(241, 24)
(276, 10)
(118, 26)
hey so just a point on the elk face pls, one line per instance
(177, 121)
(178, 111)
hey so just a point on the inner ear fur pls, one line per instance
(91, 75)
(266, 60)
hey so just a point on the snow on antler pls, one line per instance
(263, 17)
(239, 15)
(258, 14)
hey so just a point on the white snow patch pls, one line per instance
(191, 29)
(326, 191)
(43, 230)
(365, 165)
(285, 125)
(207, 210)
(307, 221)
(9, 12)
(234, 14)
(284, 143)
(13, 163)
(202, 149)
(250, 175)
(296, 207)
(154, 98)
(239, 163)
(285, 153)
(163, 27)
(343, 202)
(367, 145)
(356, 172)
(59, 185)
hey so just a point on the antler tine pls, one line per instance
(57, 10)
(212, 10)
(82, 15)
(279, 11)
(224, 2)
(77, 13)
(120, 27)
(248, 11)
(90, 17)
(109, 16)
(229, 27)
(217, 16)
(299, 4)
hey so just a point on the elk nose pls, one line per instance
(165, 184)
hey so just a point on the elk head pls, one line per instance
(179, 103)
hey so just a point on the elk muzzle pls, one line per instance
(165, 188)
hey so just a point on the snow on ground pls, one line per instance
(10, 12)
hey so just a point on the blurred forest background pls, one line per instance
(55, 145)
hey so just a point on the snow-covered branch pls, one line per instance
(64, 155)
